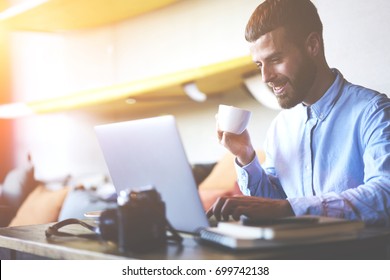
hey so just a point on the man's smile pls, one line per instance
(278, 88)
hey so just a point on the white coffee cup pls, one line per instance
(232, 119)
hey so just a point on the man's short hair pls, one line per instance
(298, 17)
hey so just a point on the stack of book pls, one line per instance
(270, 233)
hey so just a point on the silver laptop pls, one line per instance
(146, 152)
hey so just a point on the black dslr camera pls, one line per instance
(141, 220)
(138, 224)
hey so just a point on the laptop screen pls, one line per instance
(146, 152)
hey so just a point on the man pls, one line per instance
(329, 152)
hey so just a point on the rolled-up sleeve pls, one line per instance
(255, 181)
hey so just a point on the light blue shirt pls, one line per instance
(331, 158)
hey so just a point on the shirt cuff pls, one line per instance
(306, 205)
(330, 205)
(248, 174)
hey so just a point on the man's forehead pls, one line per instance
(270, 43)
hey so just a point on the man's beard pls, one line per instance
(301, 85)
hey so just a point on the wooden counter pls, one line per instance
(30, 242)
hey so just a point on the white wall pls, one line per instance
(357, 40)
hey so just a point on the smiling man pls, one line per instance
(328, 153)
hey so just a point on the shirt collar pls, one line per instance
(324, 105)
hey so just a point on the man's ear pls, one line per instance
(313, 44)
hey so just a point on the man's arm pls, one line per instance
(369, 201)
(264, 198)
(255, 181)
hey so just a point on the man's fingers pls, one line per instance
(238, 211)
(229, 207)
(217, 206)
(219, 135)
(234, 206)
(209, 212)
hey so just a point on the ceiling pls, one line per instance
(58, 15)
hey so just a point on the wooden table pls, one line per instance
(29, 242)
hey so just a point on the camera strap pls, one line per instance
(175, 236)
(55, 230)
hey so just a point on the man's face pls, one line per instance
(285, 67)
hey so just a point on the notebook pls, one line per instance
(288, 231)
(140, 153)
(293, 228)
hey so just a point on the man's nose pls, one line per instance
(267, 74)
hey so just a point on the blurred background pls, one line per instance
(68, 65)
